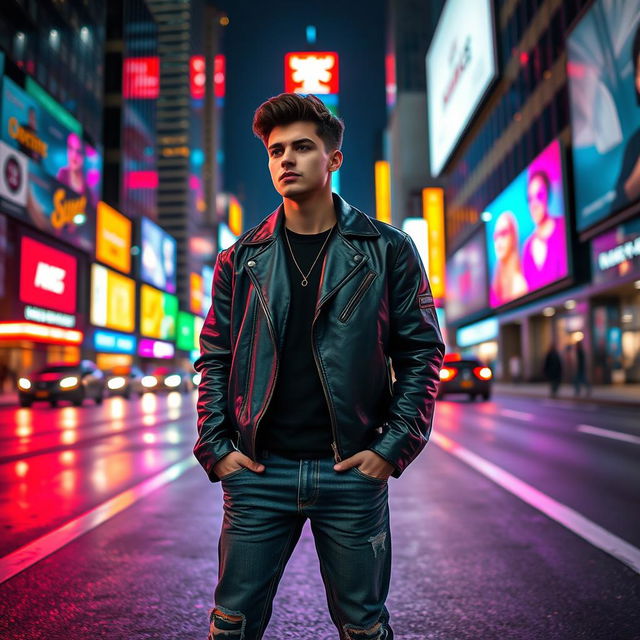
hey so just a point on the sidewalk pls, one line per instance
(626, 395)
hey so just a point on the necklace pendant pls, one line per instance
(305, 282)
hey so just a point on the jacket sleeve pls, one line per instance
(214, 431)
(416, 350)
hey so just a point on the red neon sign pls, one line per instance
(47, 277)
(219, 71)
(197, 76)
(141, 78)
(311, 72)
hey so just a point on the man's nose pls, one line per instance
(288, 158)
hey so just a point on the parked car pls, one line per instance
(62, 381)
(465, 375)
(164, 379)
(125, 381)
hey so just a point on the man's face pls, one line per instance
(298, 161)
(538, 199)
(74, 152)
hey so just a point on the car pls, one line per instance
(125, 381)
(467, 375)
(62, 381)
(165, 379)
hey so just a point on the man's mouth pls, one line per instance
(289, 175)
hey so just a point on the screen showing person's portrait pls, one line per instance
(526, 231)
(603, 72)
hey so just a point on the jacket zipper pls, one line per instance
(272, 334)
(246, 385)
(357, 296)
(332, 413)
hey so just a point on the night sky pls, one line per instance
(255, 43)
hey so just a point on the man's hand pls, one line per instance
(234, 461)
(369, 463)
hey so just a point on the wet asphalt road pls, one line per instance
(471, 560)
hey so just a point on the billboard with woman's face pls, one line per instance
(604, 87)
(158, 257)
(526, 231)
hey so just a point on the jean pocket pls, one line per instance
(233, 474)
(368, 477)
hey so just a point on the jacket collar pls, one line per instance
(351, 222)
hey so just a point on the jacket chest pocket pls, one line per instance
(351, 306)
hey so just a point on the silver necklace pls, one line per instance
(305, 278)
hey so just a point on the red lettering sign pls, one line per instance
(47, 277)
(197, 76)
(141, 78)
(311, 72)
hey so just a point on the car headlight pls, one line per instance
(24, 384)
(172, 381)
(116, 383)
(149, 381)
(68, 382)
(197, 377)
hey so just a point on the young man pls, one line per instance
(297, 414)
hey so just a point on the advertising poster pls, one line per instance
(605, 109)
(526, 233)
(50, 177)
(48, 277)
(207, 287)
(187, 340)
(461, 65)
(112, 300)
(113, 238)
(467, 280)
(616, 253)
(158, 314)
(158, 262)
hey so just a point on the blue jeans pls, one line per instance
(263, 518)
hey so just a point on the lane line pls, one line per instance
(33, 552)
(608, 433)
(567, 517)
(518, 415)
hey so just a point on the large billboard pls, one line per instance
(314, 72)
(158, 261)
(158, 314)
(48, 277)
(113, 238)
(49, 176)
(604, 89)
(615, 255)
(461, 64)
(467, 280)
(113, 299)
(526, 231)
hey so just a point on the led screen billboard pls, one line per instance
(461, 64)
(158, 256)
(48, 277)
(605, 109)
(113, 299)
(158, 313)
(187, 339)
(526, 231)
(467, 280)
(615, 255)
(113, 238)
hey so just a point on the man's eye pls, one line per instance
(274, 152)
(304, 147)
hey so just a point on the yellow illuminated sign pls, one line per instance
(113, 300)
(433, 213)
(235, 217)
(113, 238)
(196, 293)
(383, 191)
(158, 313)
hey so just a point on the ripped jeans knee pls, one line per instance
(226, 624)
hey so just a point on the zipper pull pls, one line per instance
(336, 455)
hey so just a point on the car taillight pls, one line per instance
(483, 373)
(447, 373)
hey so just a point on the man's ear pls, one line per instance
(335, 161)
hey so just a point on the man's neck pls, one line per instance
(314, 214)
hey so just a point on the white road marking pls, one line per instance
(567, 517)
(608, 433)
(29, 554)
(518, 415)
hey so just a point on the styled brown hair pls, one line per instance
(293, 107)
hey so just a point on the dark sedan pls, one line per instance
(63, 381)
(465, 375)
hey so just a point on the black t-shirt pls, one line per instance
(297, 423)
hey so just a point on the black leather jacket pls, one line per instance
(374, 306)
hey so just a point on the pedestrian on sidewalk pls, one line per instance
(553, 369)
(580, 370)
(297, 415)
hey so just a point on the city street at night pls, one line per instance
(472, 560)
